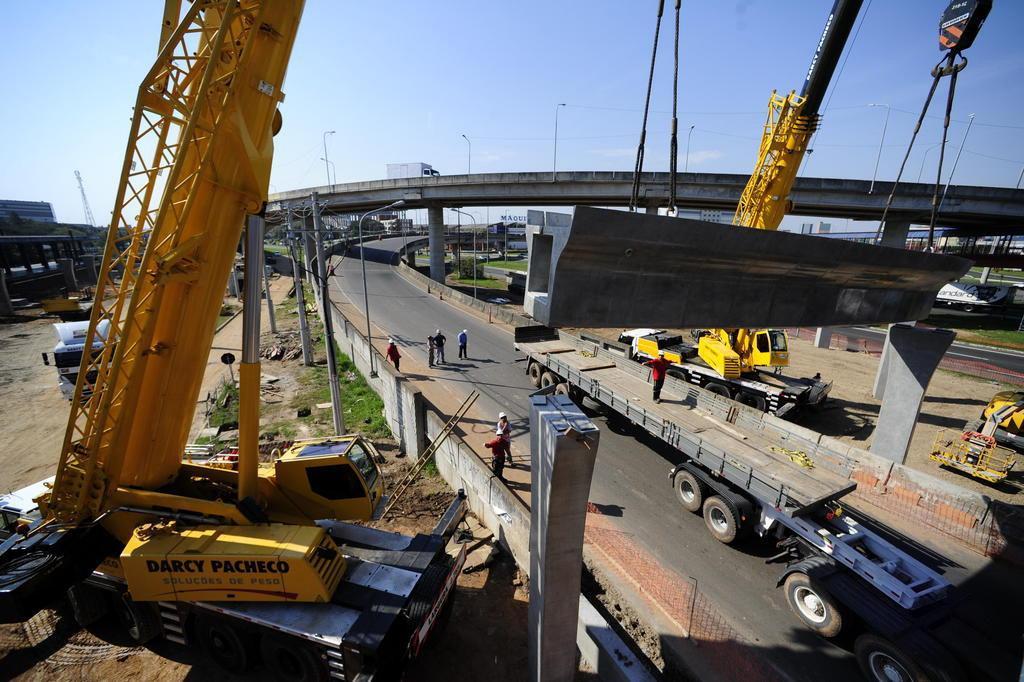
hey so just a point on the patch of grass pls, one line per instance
(362, 408)
(282, 430)
(225, 406)
(481, 282)
(518, 265)
(983, 329)
(430, 468)
(279, 249)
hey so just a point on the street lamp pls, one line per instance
(366, 292)
(970, 122)
(334, 170)
(878, 157)
(686, 163)
(326, 167)
(469, 156)
(463, 213)
(920, 172)
(554, 160)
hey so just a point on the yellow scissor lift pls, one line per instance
(976, 453)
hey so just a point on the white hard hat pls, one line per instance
(501, 415)
(661, 352)
(391, 340)
(438, 331)
(464, 331)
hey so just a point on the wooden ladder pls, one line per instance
(440, 438)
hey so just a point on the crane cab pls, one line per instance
(770, 348)
(333, 477)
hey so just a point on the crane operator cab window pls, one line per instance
(771, 348)
(331, 478)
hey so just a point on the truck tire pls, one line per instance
(548, 379)
(563, 389)
(534, 371)
(718, 389)
(292, 660)
(813, 605)
(751, 400)
(88, 604)
(882, 661)
(140, 620)
(226, 646)
(690, 491)
(721, 519)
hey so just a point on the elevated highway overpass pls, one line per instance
(967, 209)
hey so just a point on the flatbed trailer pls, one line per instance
(396, 591)
(840, 573)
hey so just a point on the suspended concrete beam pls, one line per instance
(435, 226)
(912, 354)
(563, 442)
(618, 269)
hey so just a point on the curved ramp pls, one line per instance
(618, 269)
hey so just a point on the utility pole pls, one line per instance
(325, 315)
(300, 298)
(270, 301)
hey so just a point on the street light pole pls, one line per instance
(554, 160)
(881, 142)
(469, 156)
(1020, 177)
(334, 172)
(686, 162)
(366, 292)
(326, 167)
(460, 214)
(928, 151)
(970, 122)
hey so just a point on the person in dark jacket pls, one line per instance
(430, 351)
(659, 366)
(439, 340)
(393, 354)
(463, 339)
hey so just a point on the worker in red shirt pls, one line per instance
(393, 354)
(658, 366)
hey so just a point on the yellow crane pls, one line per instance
(791, 121)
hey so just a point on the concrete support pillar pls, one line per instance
(435, 226)
(913, 355)
(6, 308)
(67, 268)
(651, 209)
(90, 269)
(563, 442)
(985, 272)
(895, 232)
(44, 259)
(878, 390)
(233, 282)
(822, 337)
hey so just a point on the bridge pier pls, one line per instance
(911, 357)
(435, 242)
(894, 233)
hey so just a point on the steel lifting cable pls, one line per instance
(945, 67)
(634, 200)
(673, 150)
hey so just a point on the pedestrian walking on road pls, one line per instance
(504, 433)
(439, 340)
(430, 351)
(658, 366)
(463, 340)
(393, 354)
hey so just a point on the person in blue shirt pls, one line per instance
(463, 339)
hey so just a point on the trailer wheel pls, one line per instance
(813, 605)
(548, 379)
(534, 371)
(88, 603)
(140, 619)
(225, 646)
(563, 389)
(292, 660)
(882, 661)
(718, 389)
(721, 519)
(751, 400)
(690, 490)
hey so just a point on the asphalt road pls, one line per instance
(630, 477)
(1009, 360)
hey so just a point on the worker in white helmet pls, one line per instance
(463, 339)
(439, 340)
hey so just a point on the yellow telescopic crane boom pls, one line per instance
(198, 160)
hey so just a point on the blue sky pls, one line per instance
(403, 81)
